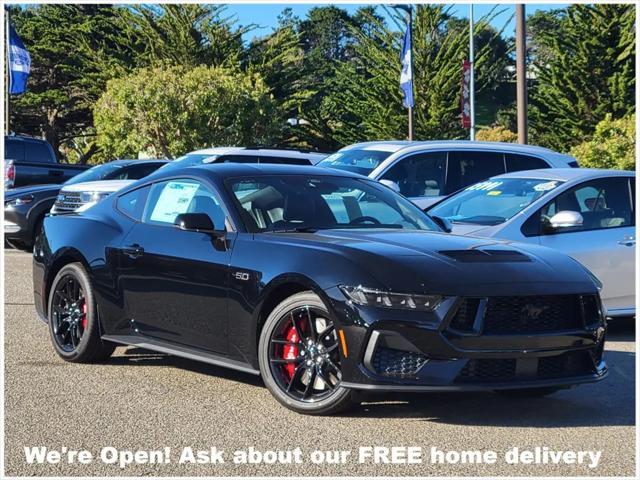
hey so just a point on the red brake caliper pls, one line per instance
(84, 316)
(289, 352)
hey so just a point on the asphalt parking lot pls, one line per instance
(143, 400)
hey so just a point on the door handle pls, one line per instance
(56, 173)
(133, 251)
(627, 242)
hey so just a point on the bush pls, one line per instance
(496, 134)
(173, 110)
(612, 145)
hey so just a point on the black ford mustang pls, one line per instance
(325, 283)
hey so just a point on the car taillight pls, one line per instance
(9, 174)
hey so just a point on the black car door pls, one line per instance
(175, 282)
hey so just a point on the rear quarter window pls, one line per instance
(132, 204)
(516, 163)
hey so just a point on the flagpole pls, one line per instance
(410, 112)
(7, 116)
(472, 92)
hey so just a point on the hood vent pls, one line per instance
(486, 256)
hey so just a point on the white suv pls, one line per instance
(247, 155)
(427, 171)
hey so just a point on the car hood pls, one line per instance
(434, 262)
(31, 190)
(98, 186)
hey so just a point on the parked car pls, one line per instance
(247, 155)
(588, 214)
(427, 171)
(79, 196)
(322, 282)
(25, 207)
(30, 161)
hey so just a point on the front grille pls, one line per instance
(397, 363)
(565, 365)
(532, 314)
(67, 202)
(487, 370)
(527, 314)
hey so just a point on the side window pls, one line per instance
(466, 168)
(13, 149)
(284, 160)
(603, 203)
(169, 199)
(37, 152)
(515, 162)
(238, 159)
(136, 172)
(132, 203)
(420, 175)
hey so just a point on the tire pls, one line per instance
(529, 392)
(336, 398)
(89, 347)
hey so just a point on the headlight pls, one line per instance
(16, 202)
(379, 298)
(93, 197)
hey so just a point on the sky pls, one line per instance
(266, 15)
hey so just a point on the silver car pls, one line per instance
(427, 171)
(586, 213)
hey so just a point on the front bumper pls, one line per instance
(16, 225)
(438, 352)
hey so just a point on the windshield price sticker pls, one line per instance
(545, 187)
(485, 186)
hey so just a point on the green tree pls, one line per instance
(167, 111)
(74, 49)
(183, 34)
(368, 85)
(612, 145)
(587, 71)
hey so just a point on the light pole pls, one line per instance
(521, 74)
(409, 18)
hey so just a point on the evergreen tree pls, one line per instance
(587, 72)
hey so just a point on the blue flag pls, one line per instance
(19, 64)
(406, 76)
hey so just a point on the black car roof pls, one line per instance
(227, 170)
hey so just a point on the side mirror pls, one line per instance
(391, 184)
(197, 222)
(566, 219)
(443, 223)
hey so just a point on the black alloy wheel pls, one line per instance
(300, 358)
(73, 317)
(303, 354)
(69, 313)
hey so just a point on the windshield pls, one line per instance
(360, 161)
(494, 201)
(99, 172)
(190, 160)
(303, 203)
